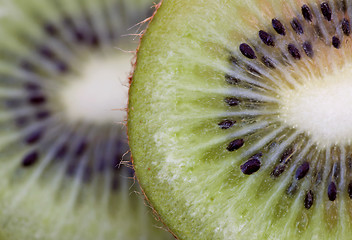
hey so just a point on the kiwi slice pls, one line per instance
(239, 118)
(64, 160)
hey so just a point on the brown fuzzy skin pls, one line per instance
(155, 213)
(134, 63)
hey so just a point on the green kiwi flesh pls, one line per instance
(238, 118)
(66, 175)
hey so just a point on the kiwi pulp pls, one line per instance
(64, 153)
(239, 118)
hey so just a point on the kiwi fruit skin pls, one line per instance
(195, 186)
(45, 201)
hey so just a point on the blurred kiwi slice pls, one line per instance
(239, 118)
(64, 158)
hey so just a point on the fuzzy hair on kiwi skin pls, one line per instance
(134, 62)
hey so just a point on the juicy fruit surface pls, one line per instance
(223, 122)
(66, 176)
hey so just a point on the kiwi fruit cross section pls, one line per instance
(239, 118)
(64, 158)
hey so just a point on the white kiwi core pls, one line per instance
(322, 107)
(98, 94)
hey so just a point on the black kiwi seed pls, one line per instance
(296, 26)
(332, 191)
(43, 114)
(79, 35)
(266, 38)
(81, 148)
(60, 151)
(278, 170)
(247, 51)
(349, 190)
(231, 79)
(232, 101)
(32, 87)
(294, 51)
(94, 41)
(35, 136)
(61, 67)
(226, 124)
(279, 28)
(30, 159)
(251, 166)
(37, 99)
(46, 52)
(286, 156)
(306, 12)
(326, 11)
(76, 33)
(235, 144)
(51, 29)
(302, 171)
(308, 49)
(336, 42)
(308, 200)
(346, 28)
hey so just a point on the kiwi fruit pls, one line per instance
(239, 118)
(64, 158)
